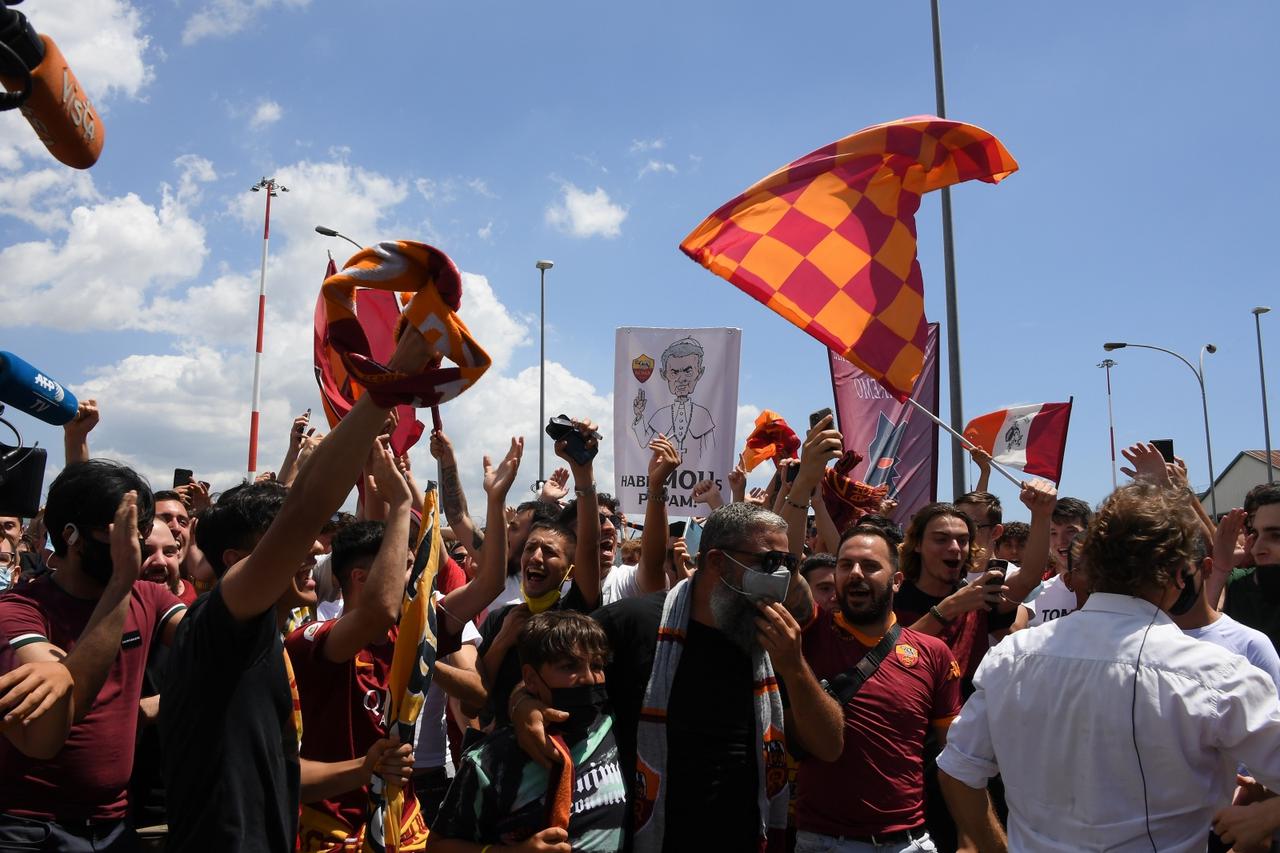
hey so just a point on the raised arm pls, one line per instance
(653, 539)
(379, 605)
(75, 432)
(453, 500)
(40, 702)
(821, 446)
(462, 604)
(254, 584)
(297, 433)
(1040, 497)
(982, 459)
(586, 560)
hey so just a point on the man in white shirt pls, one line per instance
(1161, 721)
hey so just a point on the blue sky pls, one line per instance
(598, 135)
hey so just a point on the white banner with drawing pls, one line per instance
(681, 383)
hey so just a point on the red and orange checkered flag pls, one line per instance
(829, 241)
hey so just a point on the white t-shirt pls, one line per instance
(1251, 644)
(1051, 600)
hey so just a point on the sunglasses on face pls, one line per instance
(770, 561)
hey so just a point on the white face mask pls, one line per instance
(762, 586)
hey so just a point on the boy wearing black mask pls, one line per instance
(500, 799)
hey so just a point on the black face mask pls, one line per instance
(583, 704)
(1269, 583)
(95, 559)
(1187, 598)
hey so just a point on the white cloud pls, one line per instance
(655, 166)
(193, 170)
(267, 112)
(641, 146)
(41, 197)
(586, 214)
(102, 41)
(486, 231)
(220, 18)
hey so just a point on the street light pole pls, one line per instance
(329, 232)
(1204, 403)
(1109, 363)
(949, 267)
(1262, 374)
(542, 266)
(270, 185)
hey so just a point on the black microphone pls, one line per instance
(43, 88)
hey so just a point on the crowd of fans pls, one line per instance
(190, 670)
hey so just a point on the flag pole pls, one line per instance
(966, 442)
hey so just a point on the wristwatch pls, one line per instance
(937, 614)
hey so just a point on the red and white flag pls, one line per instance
(1031, 438)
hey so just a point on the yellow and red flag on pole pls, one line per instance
(411, 666)
(829, 241)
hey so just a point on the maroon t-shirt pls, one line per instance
(89, 777)
(876, 786)
(342, 707)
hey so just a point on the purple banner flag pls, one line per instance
(899, 445)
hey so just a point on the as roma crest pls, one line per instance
(642, 367)
(907, 655)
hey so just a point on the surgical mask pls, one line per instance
(540, 603)
(762, 586)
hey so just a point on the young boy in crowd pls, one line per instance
(502, 800)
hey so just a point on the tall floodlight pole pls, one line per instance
(949, 266)
(1109, 363)
(542, 266)
(271, 187)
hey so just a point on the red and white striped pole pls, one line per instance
(1111, 421)
(270, 185)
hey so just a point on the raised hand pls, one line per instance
(195, 495)
(664, 461)
(708, 493)
(757, 496)
(981, 458)
(299, 429)
(738, 481)
(126, 546)
(85, 420)
(387, 479)
(637, 406)
(1039, 496)
(821, 447)
(587, 430)
(556, 487)
(1148, 464)
(498, 479)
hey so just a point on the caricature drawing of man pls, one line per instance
(688, 425)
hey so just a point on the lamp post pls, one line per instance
(1204, 403)
(955, 397)
(329, 232)
(270, 185)
(1262, 374)
(542, 266)
(1109, 363)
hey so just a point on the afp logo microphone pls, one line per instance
(29, 389)
(41, 85)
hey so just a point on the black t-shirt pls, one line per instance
(227, 734)
(712, 782)
(146, 783)
(508, 675)
(1253, 599)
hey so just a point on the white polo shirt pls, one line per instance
(1053, 712)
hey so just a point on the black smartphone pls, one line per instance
(818, 416)
(792, 470)
(993, 585)
(561, 428)
(182, 476)
(676, 529)
(1165, 446)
